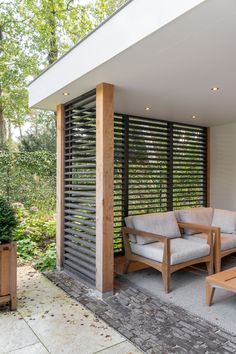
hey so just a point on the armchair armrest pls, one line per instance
(212, 231)
(166, 240)
(198, 227)
(154, 237)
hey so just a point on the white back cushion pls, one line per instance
(224, 219)
(164, 224)
(196, 216)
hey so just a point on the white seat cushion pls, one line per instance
(228, 241)
(164, 224)
(224, 219)
(181, 250)
(196, 216)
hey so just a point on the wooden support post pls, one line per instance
(208, 167)
(104, 188)
(60, 186)
(8, 276)
(13, 276)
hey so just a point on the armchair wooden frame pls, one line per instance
(165, 267)
(218, 253)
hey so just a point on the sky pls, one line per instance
(85, 2)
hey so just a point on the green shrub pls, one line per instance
(8, 221)
(29, 178)
(47, 259)
(35, 236)
(27, 249)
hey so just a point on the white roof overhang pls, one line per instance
(165, 54)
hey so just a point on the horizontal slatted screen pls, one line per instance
(119, 181)
(159, 166)
(147, 165)
(189, 166)
(80, 187)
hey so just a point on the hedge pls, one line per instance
(29, 178)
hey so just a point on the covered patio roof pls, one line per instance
(176, 58)
(166, 56)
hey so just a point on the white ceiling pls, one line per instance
(171, 70)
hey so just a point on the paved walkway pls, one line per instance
(156, 326)
(49, 321)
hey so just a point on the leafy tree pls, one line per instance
(56, 26)
(104, 8)
(32, 36)
(16, 64)
(41, 137)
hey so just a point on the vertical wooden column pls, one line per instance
(60, 186)
(208, 167)
(13, 276)
(104, 188)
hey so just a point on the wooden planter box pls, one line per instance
(8, 264)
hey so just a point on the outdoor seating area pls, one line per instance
(157, 241)
(174, 240)
(145, 158)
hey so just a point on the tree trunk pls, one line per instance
(9, 129)
(53, 45)
(20, 130)
(36, 128)
(2, 125)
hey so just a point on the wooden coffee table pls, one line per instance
(224, 280)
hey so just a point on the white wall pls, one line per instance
(223, 166)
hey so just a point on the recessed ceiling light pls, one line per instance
(194, 117)
(66, 94)
(215, 88)
(148, 108)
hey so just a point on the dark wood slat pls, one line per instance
(80, 220)
(79, 269)
(84, 251)
(77, 227)
(80, 213)
(80, 207)
(81, 241)
(75, 258)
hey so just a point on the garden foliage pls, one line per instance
(28, 181)
(29, 178)
(35, 236)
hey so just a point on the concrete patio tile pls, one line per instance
(32, 349)
(36, 294)
(122, 348)
(14, 332)
(74, 330)
(61, 324)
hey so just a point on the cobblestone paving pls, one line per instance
(151, 324)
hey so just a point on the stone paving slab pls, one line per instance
(150, 323)
(49, 321)
(14, 332)
(32, 349)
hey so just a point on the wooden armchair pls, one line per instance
(170, 254)
(225, 237)
(224, 246)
